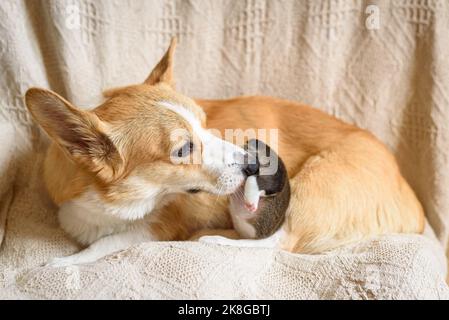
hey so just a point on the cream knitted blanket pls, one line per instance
(389, 75)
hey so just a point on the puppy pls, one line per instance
(142, 166)
(258, 208)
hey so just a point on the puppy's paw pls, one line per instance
(216, 240)
(61, 262)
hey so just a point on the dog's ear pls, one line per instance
(80, 134)
(163, 72)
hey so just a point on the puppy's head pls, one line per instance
(144, 140)
(271, 174)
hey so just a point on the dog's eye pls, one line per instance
(185, 150)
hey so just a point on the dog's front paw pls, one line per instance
(61, 262)
(216, 240)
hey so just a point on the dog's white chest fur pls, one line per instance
(89, 218)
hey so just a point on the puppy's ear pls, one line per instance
(80, 134)
(163, 72)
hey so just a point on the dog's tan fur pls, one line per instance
(346, 185)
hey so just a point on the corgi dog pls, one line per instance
(143, 166)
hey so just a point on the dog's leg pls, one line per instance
(270, 242)
(105, 246)
(225, 233)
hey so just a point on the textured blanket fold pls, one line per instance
(389, 77)
(392, 267)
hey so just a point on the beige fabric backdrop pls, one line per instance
(393, 80)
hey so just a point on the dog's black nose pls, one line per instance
(252, 168)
